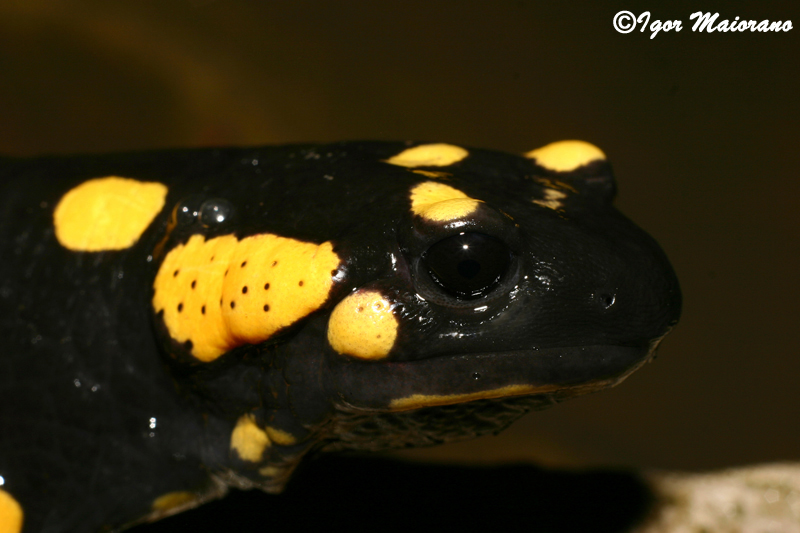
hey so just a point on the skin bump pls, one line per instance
(566, 156)
(10, 514)
(429, 155)
(248, 440)
(438, 202)
(418, 401)
(363, 326)
(200, 320)
(223, 293)
(108, 213)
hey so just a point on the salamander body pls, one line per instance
(179, 322)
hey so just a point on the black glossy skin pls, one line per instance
(84, 367)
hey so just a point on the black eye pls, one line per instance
(214, 212)
(468, 264)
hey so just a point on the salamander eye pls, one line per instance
(468, 264)
(214, 212)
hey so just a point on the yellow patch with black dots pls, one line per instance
(566, 156)
(221, 293)
(429, 155)
(248, 440)
(108, 213)
(438, 202)
(418, 401)
(363, 325)
(10, 514)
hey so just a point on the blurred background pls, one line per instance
(703, 131)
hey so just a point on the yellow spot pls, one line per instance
(429, 155)
(248, 439)
(173, 501)
(417, 401)
(10, 514)
(565, 156)
(555, 184)
(270, 471)
(279, 436)
(107, 213)
(440, 203)
(435, 174)
(363, 325)
(223, 293)
(552, 199)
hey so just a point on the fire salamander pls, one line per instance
(179, 322)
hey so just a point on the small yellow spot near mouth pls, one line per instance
(435, 174)
(248, 440)
(417, 401)
(555, 184)
(438, 202)
(280, 437)
(429, 155)
(173, 501)
(552, 199)
(363, 325)
(566, 156)
(10, 514)
(270, 471)
(108, 213)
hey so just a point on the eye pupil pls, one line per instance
(467, 265)
(469, 268)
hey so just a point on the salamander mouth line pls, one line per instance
(447, 380)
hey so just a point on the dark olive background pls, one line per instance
(703, 131)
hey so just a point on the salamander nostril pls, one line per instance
(607, 300)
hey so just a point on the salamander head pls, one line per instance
(416, 295)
